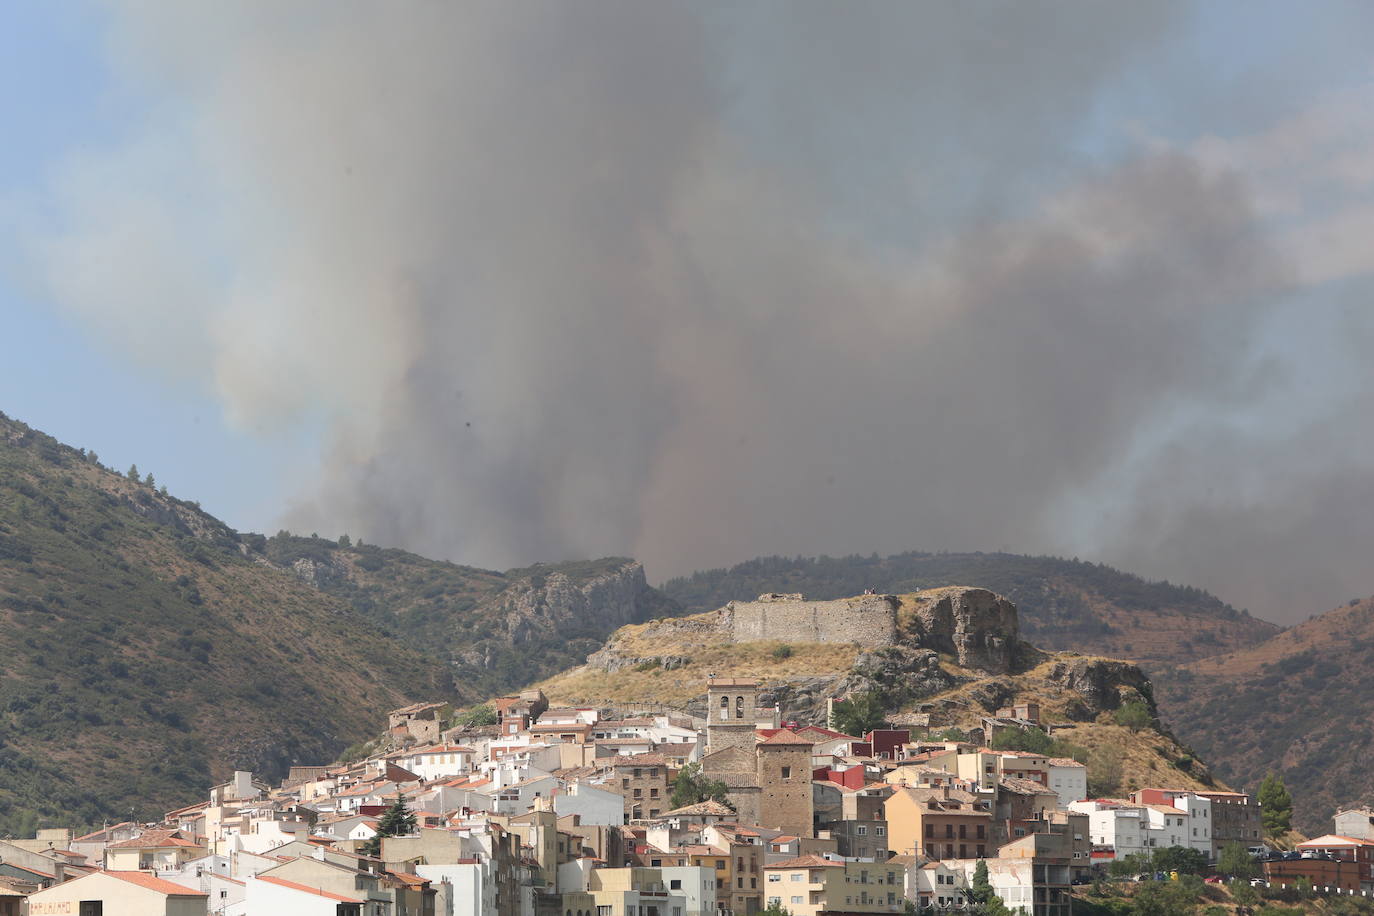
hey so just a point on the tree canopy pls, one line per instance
(1276, 805)
(858, 715)
(691, 787)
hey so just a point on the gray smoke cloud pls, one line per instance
(696, 283)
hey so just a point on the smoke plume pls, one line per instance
(693, 283)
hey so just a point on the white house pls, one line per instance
(268, 894)
(438, 761)
(594, 804)
(1068, 779)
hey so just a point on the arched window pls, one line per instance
(739, 707)
(725, 707)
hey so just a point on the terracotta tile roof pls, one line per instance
(641, 760)
(153, 883)
(1335, 839)
(100, 834)
(805, 862)
(156, 839)
(783, 737)
(309, 890)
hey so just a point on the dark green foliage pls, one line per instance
(1168, 898)
(478, 715)
(1134, 714)
(775, 909)
(1235, 861)
(782, 652)
(691, 786)
(981, 892)
(1276, 805)
(1180, 859)
(858, 715)
(397, 821)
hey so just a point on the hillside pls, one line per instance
(145, 649)
(664, 665)
(1065, 605)
(1297, 704)
(496, 630)
(149, 647)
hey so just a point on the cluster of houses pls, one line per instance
(565, 812)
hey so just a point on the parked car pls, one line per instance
(1214, 879)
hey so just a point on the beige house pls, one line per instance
(118, 893)
(153, 849)
(811, 885)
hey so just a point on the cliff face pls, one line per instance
(557, 605)
(976, 626)
(499, 630)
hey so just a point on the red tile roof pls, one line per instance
(805, 862)
(784, 737)
(309, 890)
(153, 883)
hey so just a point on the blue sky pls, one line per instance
(507, 285)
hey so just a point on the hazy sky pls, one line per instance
(506, 282)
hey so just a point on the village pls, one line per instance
(564, 812)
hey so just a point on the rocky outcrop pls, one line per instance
(1101, 683)
(556, 604)
(976, 626)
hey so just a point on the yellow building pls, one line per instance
(117, 893)
(153, 849)
(811, 885)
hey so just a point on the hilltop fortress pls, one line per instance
(975, 625)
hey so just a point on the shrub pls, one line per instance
(782, 652)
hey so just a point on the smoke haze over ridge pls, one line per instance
(694, 283)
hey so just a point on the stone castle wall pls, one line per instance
(869, 620)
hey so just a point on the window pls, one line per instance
(796, 876)
(774, 879)
(637, 776)
(775, 901)
(861, 830)
(796, 900)
(880, 830)
(739, 707)
(675, 884)
(786, 772)
(92, 907)
(653, 793)
(930, 831)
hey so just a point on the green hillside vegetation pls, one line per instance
(146, 650)
(1064, 604)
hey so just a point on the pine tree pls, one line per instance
(1276, 805)
(398, 821)
(133, 472)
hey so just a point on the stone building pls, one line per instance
(784, 777)
(732, 713)
(644, 781)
